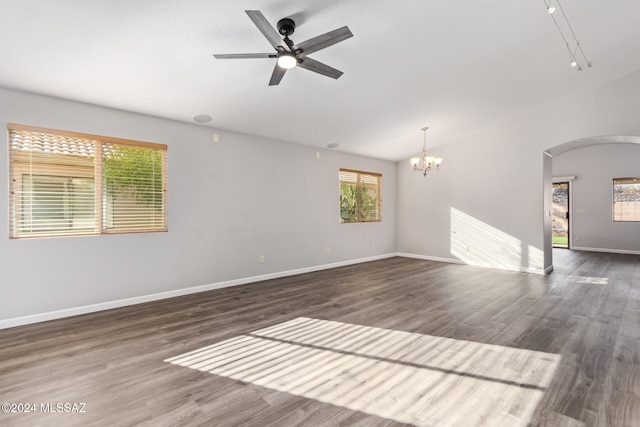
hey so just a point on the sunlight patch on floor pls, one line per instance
(402, 376)
(477, 243)
(590, 280)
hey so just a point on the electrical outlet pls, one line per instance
(328, 250)
(261, 259)
(317, 154)
(216, 138)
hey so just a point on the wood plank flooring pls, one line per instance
(585, 316)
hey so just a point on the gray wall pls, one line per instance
(595, 167)
(247, 196)
(228, 203)
(486, 205)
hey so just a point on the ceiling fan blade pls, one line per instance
(319, 67)
(277, 75)
(245, 55)
(323, 40)
(267, 29)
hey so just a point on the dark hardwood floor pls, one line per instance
(387, 343)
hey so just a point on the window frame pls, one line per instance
(17, 168)
(360, 219)
(635, 181)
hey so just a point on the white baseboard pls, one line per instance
(75, 311)
(611, 251)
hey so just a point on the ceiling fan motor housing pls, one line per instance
(286, 26)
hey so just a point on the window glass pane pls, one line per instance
(50, 177)
(626, 199)
(56, 204)
(348, 196)
(369, 197)
(133, 188)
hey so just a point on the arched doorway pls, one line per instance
(547, 179)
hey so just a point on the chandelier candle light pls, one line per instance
(425, 162)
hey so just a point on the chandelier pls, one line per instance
(425, 162)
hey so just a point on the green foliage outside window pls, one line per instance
(348, 202)
(135, 172)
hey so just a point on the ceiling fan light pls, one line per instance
(287, 61)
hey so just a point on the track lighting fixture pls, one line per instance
(550, 8)
(573, 46)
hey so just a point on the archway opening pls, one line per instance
(547, 182)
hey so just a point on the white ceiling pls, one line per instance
(455, 66)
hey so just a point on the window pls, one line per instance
(360, 197)
(64, 183)
(626, 199)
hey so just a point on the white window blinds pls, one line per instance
(64, 183)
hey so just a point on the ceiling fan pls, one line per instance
(288, 53)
